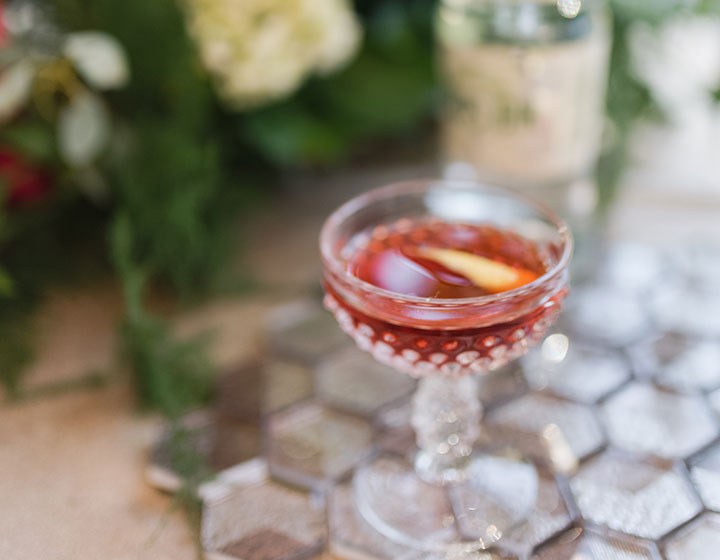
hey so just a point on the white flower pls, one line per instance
(15, 85)
(83, 129)
(261, 50)
(99, 58)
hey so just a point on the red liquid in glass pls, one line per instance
(394, 260)
(391, 257)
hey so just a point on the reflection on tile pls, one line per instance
(522, 424)
(501, 385)
(247, 473)
(630, 267)
(699, 541)
(303, 330)
(645, 499)
(714, 400)
(643, 419)
(698, 264)
(262, 520)
(285, 383)
(656, 351)
(549, 516)
(698, 315)
(351, 536)
(679, 361)
(396, 434)
(204, 438)
(238, 394)
(600, 314)
(572, 370)
(234, 442)
(577, 544)
(352, 380)
(705, 475)
(312, 446)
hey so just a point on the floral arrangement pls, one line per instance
(109, 111)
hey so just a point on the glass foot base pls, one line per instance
(496, 494)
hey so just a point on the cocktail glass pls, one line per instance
(452, 494)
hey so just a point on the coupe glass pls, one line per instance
(449, 494)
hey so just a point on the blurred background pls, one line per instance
(165, 167)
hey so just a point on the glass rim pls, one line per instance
(348, 208)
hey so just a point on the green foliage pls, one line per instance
(169, 190)
(32, 138)
(170, 375)
(16, 350)
(627, 100)
(387, 91)
(37, 258)
(6, 284)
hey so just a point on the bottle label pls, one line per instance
(526, 115)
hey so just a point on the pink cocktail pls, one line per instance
(446, 281)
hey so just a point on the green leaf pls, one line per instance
(716, 94)
(6, 284)
(288, 135)
(33, 138)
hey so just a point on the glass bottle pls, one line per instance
(526, 83)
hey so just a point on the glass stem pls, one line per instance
(446, 418)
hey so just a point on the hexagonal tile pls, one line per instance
(641, 418)
(247, 473)
(303, 330)
(351, 536)
(525, 423)
(699, 313)
(630, 267)
(311, 445)
(599, 313)
(252, 517)
(285, 383)
(705, 475)
(695, 369)
(351, 380)
(396, 433)
(678, 361)
(699, 541)
(215, 442)
(238, 393)
(649, 355)
(579, 544)
(643, 498)
(698, 263)
(572, 370)
(549, 517)
(714, 400)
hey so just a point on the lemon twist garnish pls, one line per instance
(485, 273)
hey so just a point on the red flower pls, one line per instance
(3, 29)
(23, 183)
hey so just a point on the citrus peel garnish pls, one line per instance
(485, 273)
